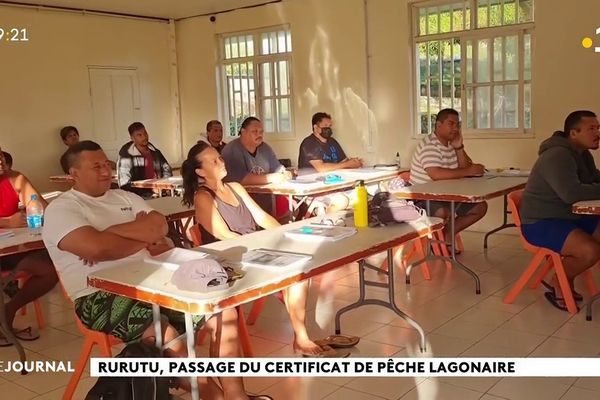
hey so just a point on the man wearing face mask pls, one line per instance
(320, 151)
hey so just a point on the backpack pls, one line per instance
(384, 210)
(132, 388)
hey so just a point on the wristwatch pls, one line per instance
(462, 146)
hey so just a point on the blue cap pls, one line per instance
(34, 197)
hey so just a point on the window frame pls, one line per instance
(256, 59)
(474, 34)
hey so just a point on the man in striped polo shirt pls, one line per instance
(441, 155)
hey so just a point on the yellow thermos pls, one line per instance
(361, 208)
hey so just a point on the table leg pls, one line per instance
(157, 329)
(453, 249)
(390, 303)
(303, 199)
(5, 329)
(429, 255)
(588, 307)
(504, 225)
(191, 349)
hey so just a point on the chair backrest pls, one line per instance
(282, 206)
(514, 202)
(286, 162)
(405, 176)
(196, 235)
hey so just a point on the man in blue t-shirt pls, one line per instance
(322, 153)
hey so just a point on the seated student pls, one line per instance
(250, 161)
(225, 211)
(139, 160)
(8, 160)
(214, 135)
(91, 228)
(15, 187)
(441, 155)
(564, 174)
(69, 135)
(320, 151)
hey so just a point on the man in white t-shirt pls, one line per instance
(90, 228)
(441, 155)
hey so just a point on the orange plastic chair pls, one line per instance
(540, 254)
(418, 249)
(242, 328)
(438, 248)
(547, 267)
(22, 278)
(282, 206)
(587, 274)
(92, 338)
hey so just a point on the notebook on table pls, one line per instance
(273, 259)
(324, 233)
(6, 233)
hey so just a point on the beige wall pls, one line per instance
(329, 73)
(45, 85)
(44, 82)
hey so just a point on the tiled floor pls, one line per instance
(457, 322)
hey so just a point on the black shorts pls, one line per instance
(461, 209)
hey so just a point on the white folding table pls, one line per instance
(152, 282)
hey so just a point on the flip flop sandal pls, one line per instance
(339, 341)
(552, 299)
(328, 352)
(260, 397)
(27, 334)
(576, 296)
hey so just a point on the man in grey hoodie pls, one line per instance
(564, 174)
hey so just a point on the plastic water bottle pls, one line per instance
(35, 215)
(361, 207)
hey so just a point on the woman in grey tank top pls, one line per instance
(225, 211)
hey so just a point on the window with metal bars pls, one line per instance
(474, 56)
(256, 79)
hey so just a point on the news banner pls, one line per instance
(358, 367)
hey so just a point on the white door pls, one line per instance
(115, 100)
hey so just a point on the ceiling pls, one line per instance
(168, 9)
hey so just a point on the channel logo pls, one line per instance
(587, 42)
